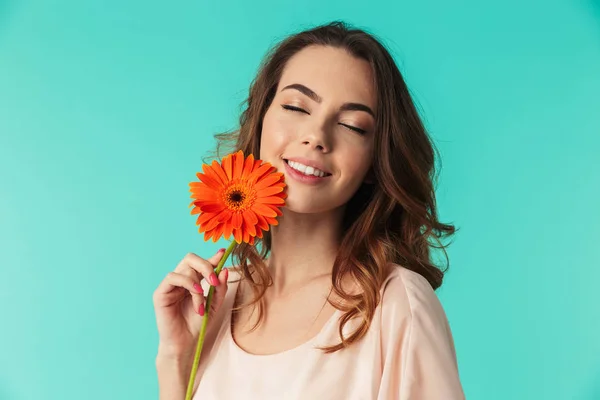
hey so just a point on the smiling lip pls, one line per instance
(299, 176)
(309, 163)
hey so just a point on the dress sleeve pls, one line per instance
(418, 354)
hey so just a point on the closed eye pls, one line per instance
(292, 108)
(355, 129)
(297, 109)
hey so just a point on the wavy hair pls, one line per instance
(393, 220)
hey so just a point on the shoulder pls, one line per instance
(407, 287)
(416, 341)
(408, 298)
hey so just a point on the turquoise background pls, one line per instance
(107, 107)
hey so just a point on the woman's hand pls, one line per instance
(179, 303)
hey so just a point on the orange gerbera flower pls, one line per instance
(240, 196)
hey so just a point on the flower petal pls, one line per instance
(271, 171)
(213, 207)
(228, 166)
(209, 234)
(262, 223)
(266, 181)
(204, 194)
(195, 210)
(219, 172)
(272, 200)
(272, 221)
(212, 174)
(202, 218)
(250, 228)
(217, 232)
(276, 209)
(238, 164)
(248, 165)
(262, 209)
(210, 224)
(209, 180)
(196, 184)
(257, 173)
(237, 234)
(236, 220)
(250, 217)
(271, 190)
(224, 215)
(228, 228)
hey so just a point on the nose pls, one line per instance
(317, 138)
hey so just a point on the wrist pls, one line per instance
(177, 368)
(171, 355)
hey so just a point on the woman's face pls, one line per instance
(321, 127)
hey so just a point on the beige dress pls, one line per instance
(408, 353)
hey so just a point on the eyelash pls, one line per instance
(352, 128)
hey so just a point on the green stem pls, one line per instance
(190, 388)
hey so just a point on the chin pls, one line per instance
(304, 206)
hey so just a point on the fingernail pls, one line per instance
(201, 310)
(213, 279)
(221, 250)
(198, 288)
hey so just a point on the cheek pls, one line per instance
(273, 136)
(275, 131)
(357, 160)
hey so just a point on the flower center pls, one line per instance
(238, 197)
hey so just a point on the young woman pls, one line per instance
(343, 286)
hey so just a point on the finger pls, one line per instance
(214, 260)
(198, 303)
(220, 290)
(166, 295)
(175, 280)
(205, 268)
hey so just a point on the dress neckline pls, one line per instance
(303, 346)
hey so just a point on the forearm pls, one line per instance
(173, 376)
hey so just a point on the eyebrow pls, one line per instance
(345, 107)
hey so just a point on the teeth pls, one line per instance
(305, 169)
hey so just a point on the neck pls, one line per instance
(303, 247)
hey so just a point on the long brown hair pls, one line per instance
(391, 221)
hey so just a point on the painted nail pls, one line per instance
(198, 288)
(221, 250)
(213, 279)
(201, 310)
